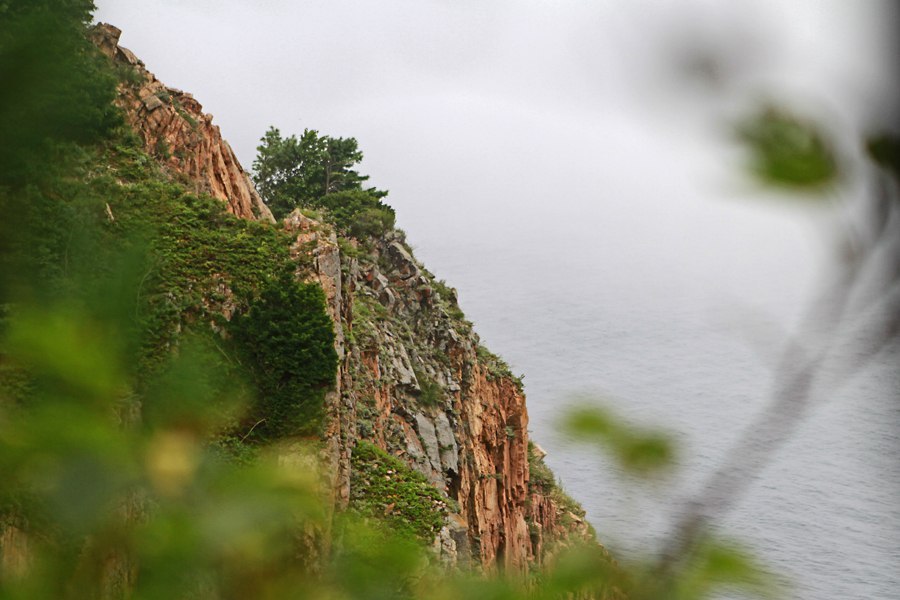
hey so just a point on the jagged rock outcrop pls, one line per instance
(179, 134)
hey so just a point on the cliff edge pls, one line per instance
(177, 132)
(413, 381)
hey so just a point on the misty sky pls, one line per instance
(598, 128)
(458, 100)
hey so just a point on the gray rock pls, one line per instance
(414, 449)
(459, 533)
(452, 542)
(402, 262)
(401, 367)
(130, 57)
(379, 281)
(450, 382)
(429, 439)
(449, 450)
(151, 102)
(387, 298)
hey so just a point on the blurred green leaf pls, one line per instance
(71, 352)
(646, 452)
(584, 568)
(718, 565)
(787, 151)
(884, 149)
(196, 389)
(636, 450)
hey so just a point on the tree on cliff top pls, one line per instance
(292, 171)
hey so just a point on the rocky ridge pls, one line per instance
(413, 378)
(177, 132)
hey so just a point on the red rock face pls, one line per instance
(471, 441)
(177, 132)
(493, 482)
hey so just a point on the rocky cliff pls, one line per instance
(413, 378)
(415, 381)
(177, 132)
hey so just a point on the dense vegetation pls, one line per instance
(122, 405)
(287, 341)
(385, 488)
(56, 87)
(318, 172)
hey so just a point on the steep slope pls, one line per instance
(413, 378)
(177, 132)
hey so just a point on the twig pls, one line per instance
(252, 428)
(795, 383)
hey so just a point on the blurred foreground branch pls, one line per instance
(854, 320)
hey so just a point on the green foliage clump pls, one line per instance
(162, 149)
(541, 480)
(189, 257)
(638, 451)
(185, 260)
(57, 88)
(383, 487)
(787, 151)
(367, 311)
(197, 258)
(358, 213)
(287, 342)
(128, 75)
(540, 477)
(202, 246)
(348, 249)
(497, 368)
(431, 394)
(448, 296)
(291, 172)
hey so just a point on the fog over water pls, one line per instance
(568, 167)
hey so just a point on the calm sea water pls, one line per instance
(678, 325)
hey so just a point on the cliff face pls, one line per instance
(179, 134)
(413, 378)
(415, 381)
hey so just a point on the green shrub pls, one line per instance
(540, 478)
(372, 222)
(358, 213)
(431, 393)
(385, 488)
(128, 75)
(162, 149)
(286, 342)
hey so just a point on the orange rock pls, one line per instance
(177, 132)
